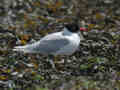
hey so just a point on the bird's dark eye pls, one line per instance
(72, 27)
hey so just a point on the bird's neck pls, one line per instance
(66, 32)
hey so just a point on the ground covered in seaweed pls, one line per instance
(95, 66)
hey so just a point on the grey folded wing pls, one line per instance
(50, 46)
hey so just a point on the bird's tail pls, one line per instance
(30, 48)
(24, 49)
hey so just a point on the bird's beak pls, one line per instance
(83, 29)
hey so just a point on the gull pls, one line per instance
(65, 42)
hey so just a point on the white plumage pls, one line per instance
(59, 43)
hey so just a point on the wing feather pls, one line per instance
(51, 44)
(47, 45)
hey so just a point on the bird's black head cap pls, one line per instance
(73, 27)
